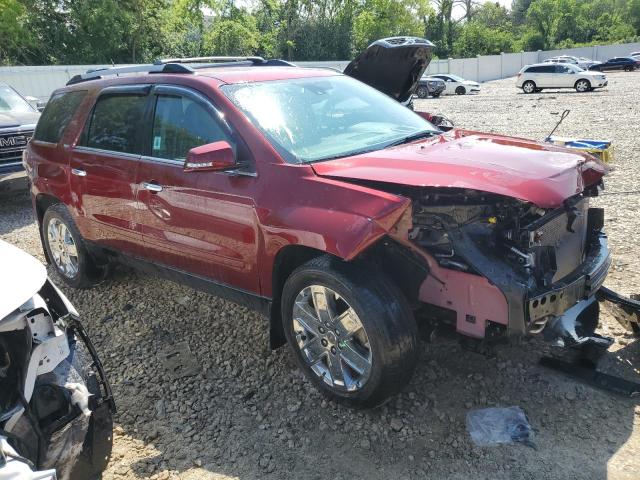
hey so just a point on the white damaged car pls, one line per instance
(55, 402)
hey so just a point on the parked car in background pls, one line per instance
(429, 86)
(343, 216)
(586, 63)
(18, 120)
(562, 59)
(635, 54)
(55, 402)
(457, 85)
(628, 64)
(535, 78)
(581, 62)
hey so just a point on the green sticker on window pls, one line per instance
(157, 141)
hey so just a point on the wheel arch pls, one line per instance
(285, 262)
(403, 268)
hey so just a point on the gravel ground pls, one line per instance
(248, 413)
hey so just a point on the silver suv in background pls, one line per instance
(535, 78)
(18, 120)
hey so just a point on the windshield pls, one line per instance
(313, 119)
(456, 78)
(10, 101)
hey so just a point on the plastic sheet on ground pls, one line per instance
(494, 426)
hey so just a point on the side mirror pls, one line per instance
(36, 102)
(212, 157)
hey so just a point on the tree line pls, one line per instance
(41, 32)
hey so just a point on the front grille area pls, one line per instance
(12, 145)
(569, 245)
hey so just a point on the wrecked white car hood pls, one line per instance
(21, 277)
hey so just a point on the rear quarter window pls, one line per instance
(57, 115)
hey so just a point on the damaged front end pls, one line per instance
(500, 266)
(55, 402)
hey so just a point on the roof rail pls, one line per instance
(150, 68)
(211, 59)
(178, 65)
(211, 62)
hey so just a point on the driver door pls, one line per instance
(202, 223)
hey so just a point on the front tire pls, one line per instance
(529, 87)
(583, 86)
(422, 92)
(461, 91)
(67, 251)
(351, 331)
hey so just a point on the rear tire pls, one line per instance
(369, 333)
(461, 90)
(582, 86)
(422, 92)
(67, 251)
(529, 87)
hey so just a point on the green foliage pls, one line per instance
(124, 31)
(478, 39)
(388, 18)
(15, 38)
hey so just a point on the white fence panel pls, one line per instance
(511, 64)
(490, 68)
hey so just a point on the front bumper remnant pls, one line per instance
(628, 309)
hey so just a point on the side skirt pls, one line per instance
(250, 300)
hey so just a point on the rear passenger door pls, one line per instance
(104, 166)
(200, 222)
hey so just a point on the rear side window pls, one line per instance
(57, 115)
(114, 124)
(181, 124)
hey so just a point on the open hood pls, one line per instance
(392, 65)
(21, 278)
(540, 173)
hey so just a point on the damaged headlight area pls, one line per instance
(55, 403)
(543, 261)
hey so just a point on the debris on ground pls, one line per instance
(489, 427)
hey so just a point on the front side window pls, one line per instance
(57, 115)
(115, 122)
(181, 124)
(314, 119)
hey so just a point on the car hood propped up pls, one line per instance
(542, 174)
(392, 65)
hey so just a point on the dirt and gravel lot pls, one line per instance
(248, 413)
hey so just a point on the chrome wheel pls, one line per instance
(63, 248)
(529, 87)
(331, 338)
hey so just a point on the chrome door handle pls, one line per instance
(79, 173)
(152, 187)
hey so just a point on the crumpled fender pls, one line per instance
(349, 220)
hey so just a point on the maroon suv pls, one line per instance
(342, 215)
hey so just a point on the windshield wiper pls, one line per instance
(413, 137)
